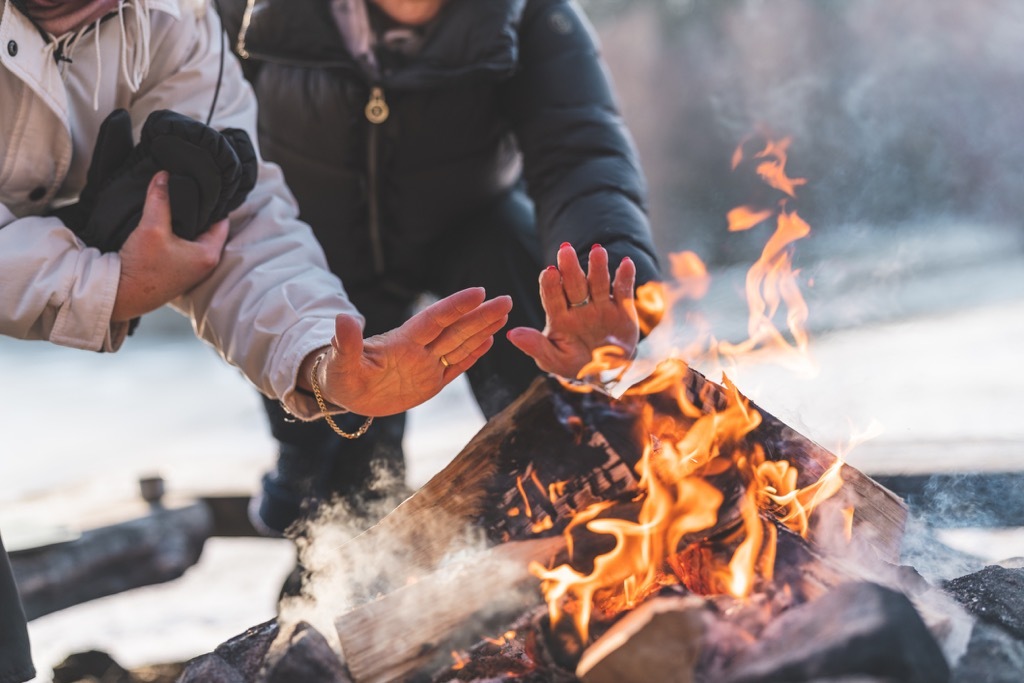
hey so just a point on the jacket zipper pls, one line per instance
(376, 113)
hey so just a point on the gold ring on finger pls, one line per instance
(444, 361)
(578, 304)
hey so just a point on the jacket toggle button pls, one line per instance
(12, 48)
(377, 110)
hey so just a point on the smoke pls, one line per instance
(900, 112)
(424, 564)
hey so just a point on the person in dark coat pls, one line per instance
(433, 144)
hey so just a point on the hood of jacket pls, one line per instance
(472, 38)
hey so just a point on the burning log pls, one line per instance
(658, 641)
(529, 474)
(417, 626)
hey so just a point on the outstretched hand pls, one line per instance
(584, 313)
(392, 372)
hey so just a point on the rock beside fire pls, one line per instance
(264, 654)
(995, 653)
(993, 656)
(307, 657)
(856, 629)
(994, 594)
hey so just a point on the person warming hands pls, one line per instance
(435, 145)
(585, 312)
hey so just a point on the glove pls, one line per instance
(211, 173)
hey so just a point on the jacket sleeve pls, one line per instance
(580, 164)
(55, 288)
(271, 300)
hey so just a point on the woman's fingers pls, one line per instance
(574, 280)
(625, 281)
(597, 274)
(457, 354)
(535, 345)
(348, 339)
(456, 369)
(485, 319)
(428, 324)
(552, 295)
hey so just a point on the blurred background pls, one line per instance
(907, 122)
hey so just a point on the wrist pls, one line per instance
(304, 381)
(315, 380)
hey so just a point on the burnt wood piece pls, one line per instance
(855, 629)
(417, 627)
(152, 549)
(524, 475)
(516, 656)
(553, 452)
(238, 660)
(963, 499)
(266, 654)
(658, 641)
(995, 594)
(306, 657)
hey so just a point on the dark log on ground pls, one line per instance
(965, 499)
(525, 474)
(855, 629)
(658, 641)
(154, 548)
(995, 653)
(994, 594)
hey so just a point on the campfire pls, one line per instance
(647, 524)
(678, 508)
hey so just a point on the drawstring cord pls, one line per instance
(134, 62)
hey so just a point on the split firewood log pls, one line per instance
(525, 475)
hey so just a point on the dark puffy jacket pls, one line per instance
(502, 91)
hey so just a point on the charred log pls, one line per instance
(524, 476)
(855, 629)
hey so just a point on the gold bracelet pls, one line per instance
(323, 405)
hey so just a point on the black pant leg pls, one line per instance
(15, 654)
(497, 249)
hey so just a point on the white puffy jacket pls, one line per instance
(269, 302)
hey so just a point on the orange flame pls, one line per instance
(746, 217)
(679, 507)
(460, 660)
(773, 170)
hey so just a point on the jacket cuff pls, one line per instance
(83, 321)
(299, 341)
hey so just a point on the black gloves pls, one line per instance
(211, 173)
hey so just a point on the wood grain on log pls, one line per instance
(658, 641)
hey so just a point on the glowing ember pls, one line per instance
(460, 660)
(687, 458)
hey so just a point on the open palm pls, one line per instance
(399, 369)
(585, 312)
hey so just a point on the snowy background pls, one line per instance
(907, 119)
